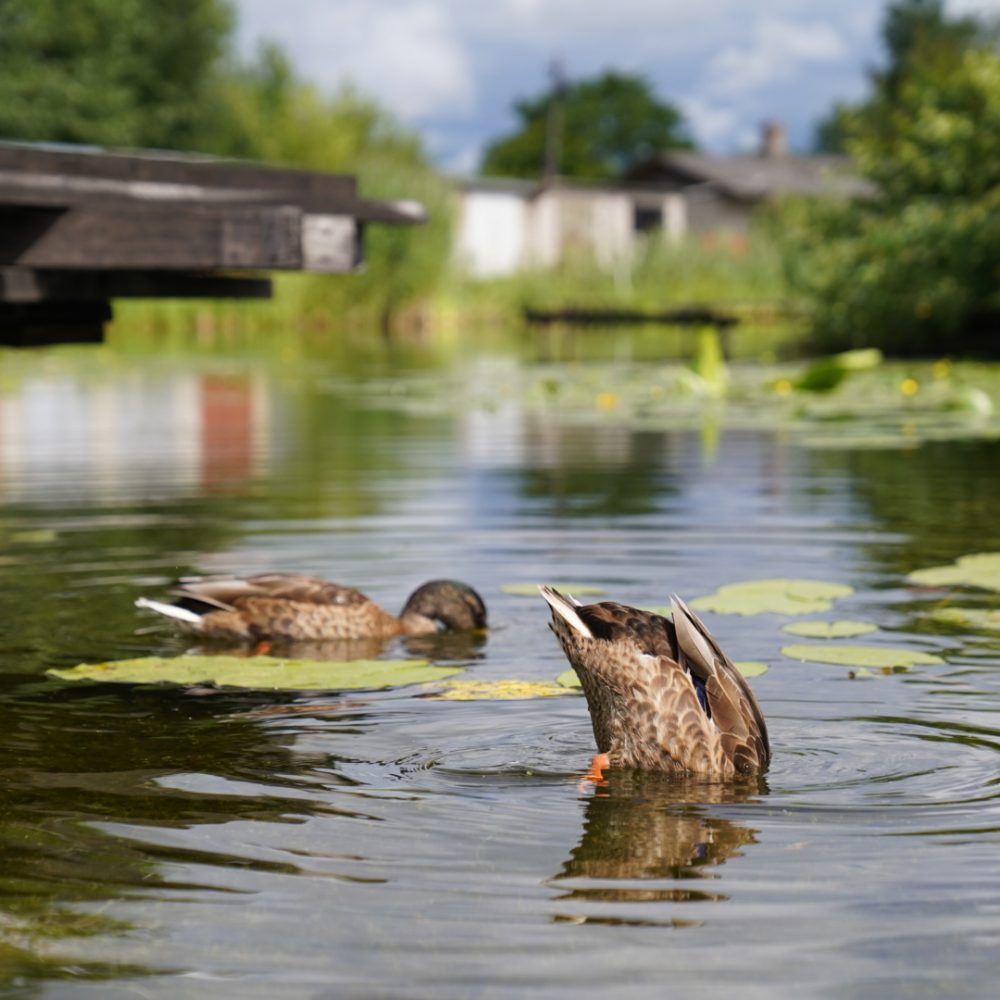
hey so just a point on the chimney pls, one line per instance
(774, 142)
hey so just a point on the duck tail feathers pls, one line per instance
(565, 608)
(169, 610)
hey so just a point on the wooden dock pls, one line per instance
(80, 227)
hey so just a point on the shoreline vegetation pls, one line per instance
(911, 269)
(745, 281)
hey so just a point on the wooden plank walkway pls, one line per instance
(80, 226)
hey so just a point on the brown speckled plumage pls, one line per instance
(302, 608)
(641, 674)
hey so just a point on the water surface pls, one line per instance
(158, 841)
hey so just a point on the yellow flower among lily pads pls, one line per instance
(503, 690)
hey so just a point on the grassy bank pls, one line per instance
(742, 277)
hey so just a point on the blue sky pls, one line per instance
(453, 68)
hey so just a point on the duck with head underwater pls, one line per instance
(662, 695)
(290, 607)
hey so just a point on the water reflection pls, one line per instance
(148, 808)
(443, 647)
(67, 779)
(162, 434)
(653, 830)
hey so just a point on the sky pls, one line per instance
(452, 69)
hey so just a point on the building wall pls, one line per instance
(709, 211)
(502, 231)
(491, 234)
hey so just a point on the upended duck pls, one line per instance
(291, 607)
(662, 695)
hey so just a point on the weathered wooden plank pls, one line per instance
(25, 285)
(174, 168)
(47, 190)
(143, 237)
(330, 243)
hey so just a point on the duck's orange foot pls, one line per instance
(262, 648)
(596, 773)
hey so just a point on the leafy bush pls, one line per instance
(916, 268)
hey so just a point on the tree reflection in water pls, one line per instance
(654, 830)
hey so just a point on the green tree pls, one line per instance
(915, 268)
(919, 37)
(269, 114)
(111, 72)
(604, 124)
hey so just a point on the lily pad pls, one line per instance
(531, 589)
(503, 690)
(859, 656)
(748, 668)
(260, 672)
(751, 668)
(981, 569)
(780, 596)
(843, 629)
(975, 619)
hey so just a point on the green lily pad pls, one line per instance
(843, 629)
(780, 596)
(975, 619)
(531, 589)
(34, 536)
(751, 668)
(981, 569)
(260, 672)
(503, 690)
(859, 656)
(748, 668)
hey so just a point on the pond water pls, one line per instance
(160, 841)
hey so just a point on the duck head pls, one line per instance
(445, 605)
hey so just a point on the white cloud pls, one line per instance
(777, 51)
(457, 66)
(406, 54)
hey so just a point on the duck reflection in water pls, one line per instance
(649, 827)
(440, 648)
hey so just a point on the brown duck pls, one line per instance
(286, 606)
(662, 695)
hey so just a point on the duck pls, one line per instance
(662, 694)
(292, 607)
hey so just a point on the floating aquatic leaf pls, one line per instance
(34, 536)
(975, 619)
(663, 610)
(859, 656)
(786, 597)
(860, 359)
(504, 690)
(531, 589)
(748, 668)
(260, 672)
(843, 629)
(982, 569)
